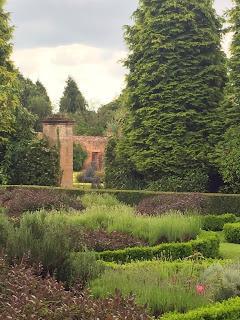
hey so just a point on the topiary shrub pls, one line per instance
(232, 232)
(17, 201)
(163, 203)
(216, 223)
(33, 162)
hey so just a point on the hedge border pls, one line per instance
(232, 232)
(216, 203)
(207, 245)
(227, 310)
(217, 222)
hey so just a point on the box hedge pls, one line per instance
(232, 232)
(216, 223)
(227, 310)
(206, 244)
(213, 203)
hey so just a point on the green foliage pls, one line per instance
(231, 107)
(216, 223)
(34, 97)
(223, 281)
(97, 200)
(232, 232)
(228, 155)
(208, 246)
(174, 87)
(228, 310)
(33, 162)
(161, 286)
(72, 100)
(5, 229)
(8, 96)
(79, 156)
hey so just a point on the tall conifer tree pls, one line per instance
(174, 87)
(231, 106)
(72, 100)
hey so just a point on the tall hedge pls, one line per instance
(174, 87)
(33, 162)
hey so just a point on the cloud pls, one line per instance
(96, 70)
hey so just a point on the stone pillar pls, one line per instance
(59, 131)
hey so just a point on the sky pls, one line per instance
(54, 39)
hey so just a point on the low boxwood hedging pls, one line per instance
(216, 223)
(232, 232)
(206, 244)
(227, 310)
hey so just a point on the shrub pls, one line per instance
(169, 228)
(42, 241)
(161, 286)
(195, 180)
(164, 203)
(5, 229)
(232, 232)
(207, 245)
(100, 240)
(79, 156)
(216, 223)
(33, 162)
(223, 281)
(18, 201)
(228, 310)
(94, 200)
(24, 295)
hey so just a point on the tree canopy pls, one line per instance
(174, 88)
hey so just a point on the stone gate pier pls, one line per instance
(59, 132)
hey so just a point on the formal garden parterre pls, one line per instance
(105, 253)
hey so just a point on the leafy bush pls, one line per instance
(161, 286)
(33, 162)
(191, 181)
(24, 295)
(169, 228)
(5, 229)
(18, 201)
(79, 156)
(164, 203)
(207, 245)
(222, 281)
(101, 240)
(228, 310)
(216, 223)
(94, 200)
(232, 232)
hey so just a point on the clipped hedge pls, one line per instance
(213, 203)
(228, 310)
(207, 245)
(216, 223)
(232, 232)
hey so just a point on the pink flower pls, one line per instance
(200, 289)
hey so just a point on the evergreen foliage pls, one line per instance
(228, 159)
(79, 156)
(72, 100)
(174, 87)
(8, 97)
(34, 97)
(32, 162)
(231, 106)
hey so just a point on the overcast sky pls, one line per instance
(81, 38)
